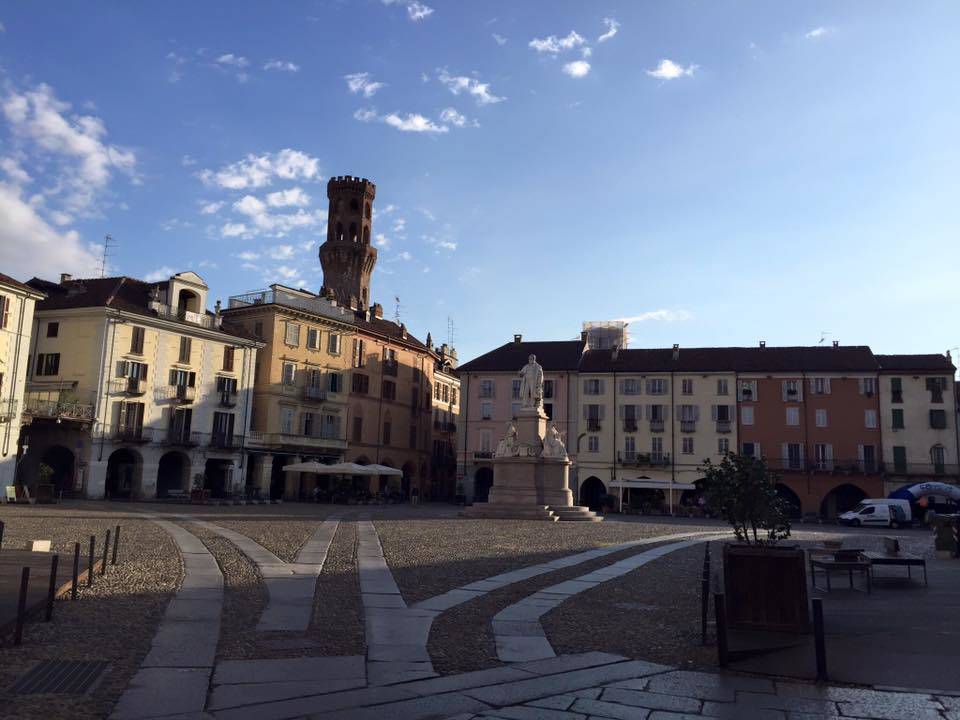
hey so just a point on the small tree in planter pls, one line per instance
(197, 492)
(765, 584)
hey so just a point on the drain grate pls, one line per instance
(60, 677)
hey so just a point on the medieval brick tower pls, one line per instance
(347, 257)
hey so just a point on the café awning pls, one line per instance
(650, 484)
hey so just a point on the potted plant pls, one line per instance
(764, 582)
(608, 502)
(196, 492)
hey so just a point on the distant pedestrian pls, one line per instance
(415, 496)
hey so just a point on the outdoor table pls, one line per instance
(860, 565)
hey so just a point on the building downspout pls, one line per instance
(13, 380)
(246, 407)
(380, 412)
(101, 382)
(673, 436)
(804, 390)
(465, 415)
(613, 472)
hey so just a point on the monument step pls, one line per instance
(575, 513)
(498, 511)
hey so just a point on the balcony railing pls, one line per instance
(129, 386)
(8, 410)
(183, 438)
(225, 441)
(630, 425)
(482, 454)
(133, 435)
(169, 312)
(926, 469)
(656, 426)
(281, 439)
(181, 394)
(593, 424)
(688, 426)
(62, 410)
(723, 426)
(228, 399)
(316, 305)
(313, 393)
(641, 459)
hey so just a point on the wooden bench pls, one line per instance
(177, 494)
(891, 555)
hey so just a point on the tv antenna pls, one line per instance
(396, 311)
(451, 332)
(823, 336)
(108, 245)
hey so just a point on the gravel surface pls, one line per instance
(114, 621)
(461, 639)
(281, 536)
(429, 557)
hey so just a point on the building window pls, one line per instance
(823, 456)
(793, 456)
(293, 334)
(226, 386)
(867, 386)
(686, 386)
(821, 418)
(286, 420)
(258, 329)
(722, 388)
(446, 393)
(593, 414)
(183, 378)
(746, 415)
(593, 443)
(899, 458)
(870, 419)
(333, 344)
(357, 429)
(486, 388)
(515, 390)
(48, 364)
(453, 396)
(938, 419)
(136, 340)
(656, 450)
(485, 440)
(386, 432)
(936, 386)
(185, 347)
(360, 383)
(308, 424)
(289, 373)
(820, 386)
(723, 445)
(547, 389)
(938, 458)
(793, 416)
(53, 329)
(896, 390)
(313, 338)
(436, 392)
(359, 355)
(593, 386)
(228, 359)
(747, 390)
(749, 449)
(630, 386)
(656, 386)
(514, 409)
(548, 410)
(4, 311)
(687, 446)
(897, 419)
(334, 382)
(791, 391)
(389, 390)
(390, 364)
(629, 448)
(486, 411)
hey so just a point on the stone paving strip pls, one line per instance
(517, 630)
(290, 586)
(175, 675)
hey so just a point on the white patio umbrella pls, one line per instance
(383, 470)
(321, 469)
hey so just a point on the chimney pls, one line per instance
(676, 352)
(378, 311)
(836, 343)
(65, 277)
(403, 331)
(517, 339)
(615, 353)
(763, 344)
(583, 337)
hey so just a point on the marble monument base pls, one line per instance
(527, 485)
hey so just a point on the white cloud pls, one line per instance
(248, 255)
(232, 60)
(82, 161)
(413, 122)
(612, 28)
(233, 230)
(365, 115)
(451, 116)
(554, 44)
(461, 84)
(211, 208)
(499, 39)
(416, 10)
(249, 205)
(188, 161)
(577, 68)
(361, 84)
(428, 215)
(30, 246)
(818, 33)
(262, 221)
(3, 28)
(446, 245)
(280, 252)
(399, 225)
(11, 167)
(586, 52)
(161, 273)
(294, 197)
(208, 264)
(281, 66)
(381, 241)
(404, 255)
(661, 315)
(669, 70)
(256, 171)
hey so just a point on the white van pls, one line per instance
(886, 512)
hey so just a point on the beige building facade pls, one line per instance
(17, 303)
(135, 390)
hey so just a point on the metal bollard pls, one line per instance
(52, 590)
(21, 605)
(820, 642)
(720, 609)
(116, 544)
(106, 550)
(76, 571)
(93, 550)
(704, 606)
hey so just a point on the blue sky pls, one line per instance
(721, 172)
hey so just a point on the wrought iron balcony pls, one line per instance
(58, 409)
(133, 434)
(656, 426)
(133, 387)
(723, 426)
(482, 454)
(314, 393)
(183, 438)
(593, 425)
(225, 441)
(8, 410)
(228, 399)
(641, 459)
(688, 426)
(630, 425)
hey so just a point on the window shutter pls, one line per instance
(646, 412)
(586, 412)
(143, 371)
(783, 390)
(733, 413)
(121, 368)
(192, 379)
(713, 413)
(621, 385)
(666, 412)
(829, 452)
(173, 377)
(860, 453)
(860, 386)
(600, 411)
(122, 416)
(826, 386)
(603, 386)
(785, 454)
(813, 385)
(696, 413)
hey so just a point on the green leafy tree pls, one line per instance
(743, 491)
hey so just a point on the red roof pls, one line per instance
(7, 280)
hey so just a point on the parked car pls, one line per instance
(886, 512)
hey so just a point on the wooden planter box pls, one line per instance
(766, 588)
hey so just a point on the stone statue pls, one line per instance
(531, 384)
(507, 447)
(553, 446)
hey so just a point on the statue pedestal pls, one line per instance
(527, 485)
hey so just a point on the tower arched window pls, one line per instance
(353, 232)
(339, 235)
(368, 212)
(354, 205)
(366, 235)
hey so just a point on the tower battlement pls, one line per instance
(350, 184)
